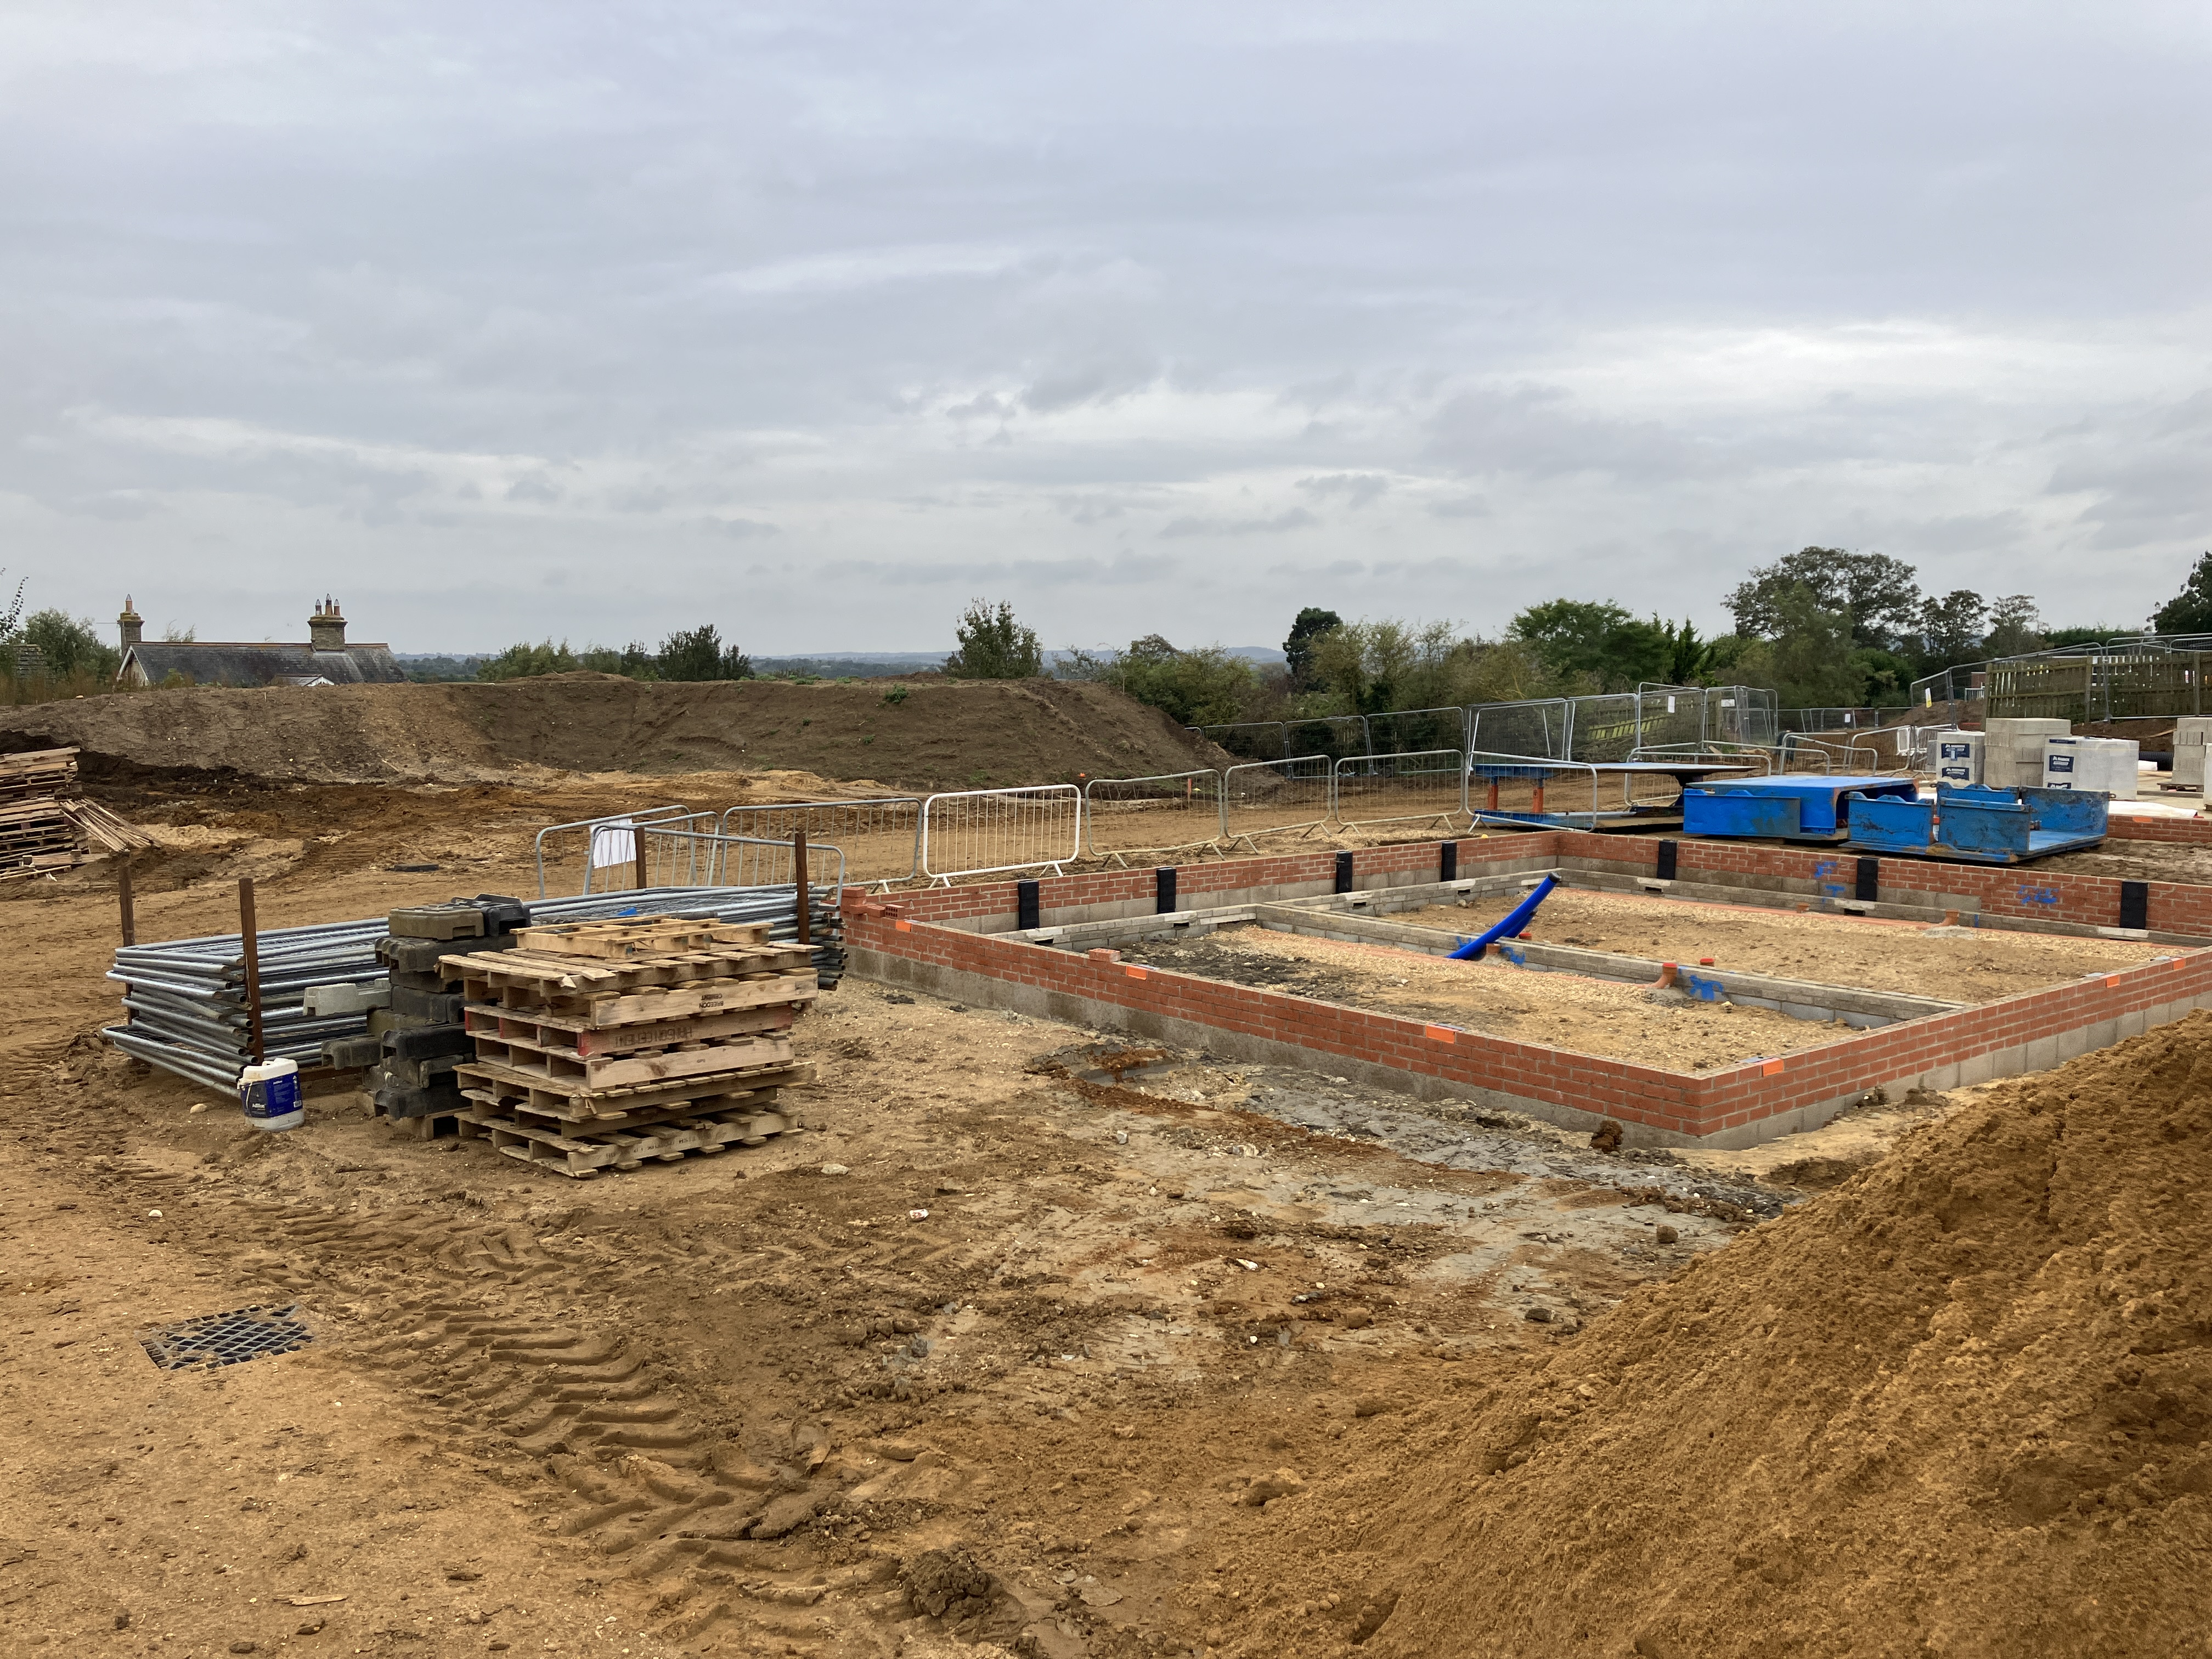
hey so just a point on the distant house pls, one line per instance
(324, 660)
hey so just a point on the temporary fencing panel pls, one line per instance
(975, 832)
(1605, 728)
(1428, 787)
(1537, 727)
(1333, 735)
(597, 855)
(1285, 794)
(881, 834)
(1173, 812)
(1417, 730)
(1249, 739)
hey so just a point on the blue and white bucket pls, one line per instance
(270, 1094)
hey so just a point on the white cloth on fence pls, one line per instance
(613, 843)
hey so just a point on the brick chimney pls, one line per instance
(327, 628)
(132, 625)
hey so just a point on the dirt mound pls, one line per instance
(944, 735)
(1959, 1405)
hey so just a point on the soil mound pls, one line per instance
(942, 735)
(1959, 1405)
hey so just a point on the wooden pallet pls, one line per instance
(574, 1040)
(572, 986)
(635, 937)
(596, 1073)
(543, 1148)
(579, 1106)
(760, 1102)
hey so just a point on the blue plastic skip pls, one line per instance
(1791, 809)
(1984, 825)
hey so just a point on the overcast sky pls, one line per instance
(513, 320)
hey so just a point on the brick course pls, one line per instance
(2067, 1016)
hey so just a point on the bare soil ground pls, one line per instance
(1958, 965)
(741, 1405)
(940, 734)
(1560, 1011)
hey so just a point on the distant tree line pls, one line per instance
(1822, 628)
(690, 653)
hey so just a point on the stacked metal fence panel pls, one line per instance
(185, 1000)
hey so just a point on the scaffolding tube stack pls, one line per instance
(183, 1000)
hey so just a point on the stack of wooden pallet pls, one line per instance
(46, 826)
(602, 1045)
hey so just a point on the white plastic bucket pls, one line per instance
(270, 1095)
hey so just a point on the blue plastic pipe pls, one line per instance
(1514, 922)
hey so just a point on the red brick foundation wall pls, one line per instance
(2026, 893)
(1679, 1103)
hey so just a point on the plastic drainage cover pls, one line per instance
(225, 1338)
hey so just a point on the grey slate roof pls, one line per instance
(151, 661)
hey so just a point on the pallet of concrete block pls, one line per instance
(417, 1028)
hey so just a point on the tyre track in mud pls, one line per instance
(578, 1414)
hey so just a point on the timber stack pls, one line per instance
(46, 824)
(604, 1045)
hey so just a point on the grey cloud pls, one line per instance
(1604, 299)
(1459, 507)
(1356, 489)
(1296, 518)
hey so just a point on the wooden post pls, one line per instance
(123, 900)
(637, 848)
(799, 879)
(247, 932)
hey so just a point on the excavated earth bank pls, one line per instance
(1959, 1405)
(939, 735)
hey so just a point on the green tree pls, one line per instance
(70, 646)
(2014, 627)
(1808, 660)
(2189, 611)
(1689, 658)
(1602, 641)
(11, 617)
(1312, 623)
(1886, 677)
(2059, 638)
(526, 661)
(1881, 595)
(993, 646)
(698, 653)
(1951, 629)
(1205, 687)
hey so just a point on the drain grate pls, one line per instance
(225, 1338)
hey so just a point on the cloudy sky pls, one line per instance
(508, 321)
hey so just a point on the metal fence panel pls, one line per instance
(1427, 787)
(1417, 730)
(1540, 727)
(973, 832)
(1333, 735)
(1173, 812)
(1670, 713)
(1249, 739)
(1605, 728)
(1260, 796)
(1511, 789)
(578, 852)
(881, 834)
